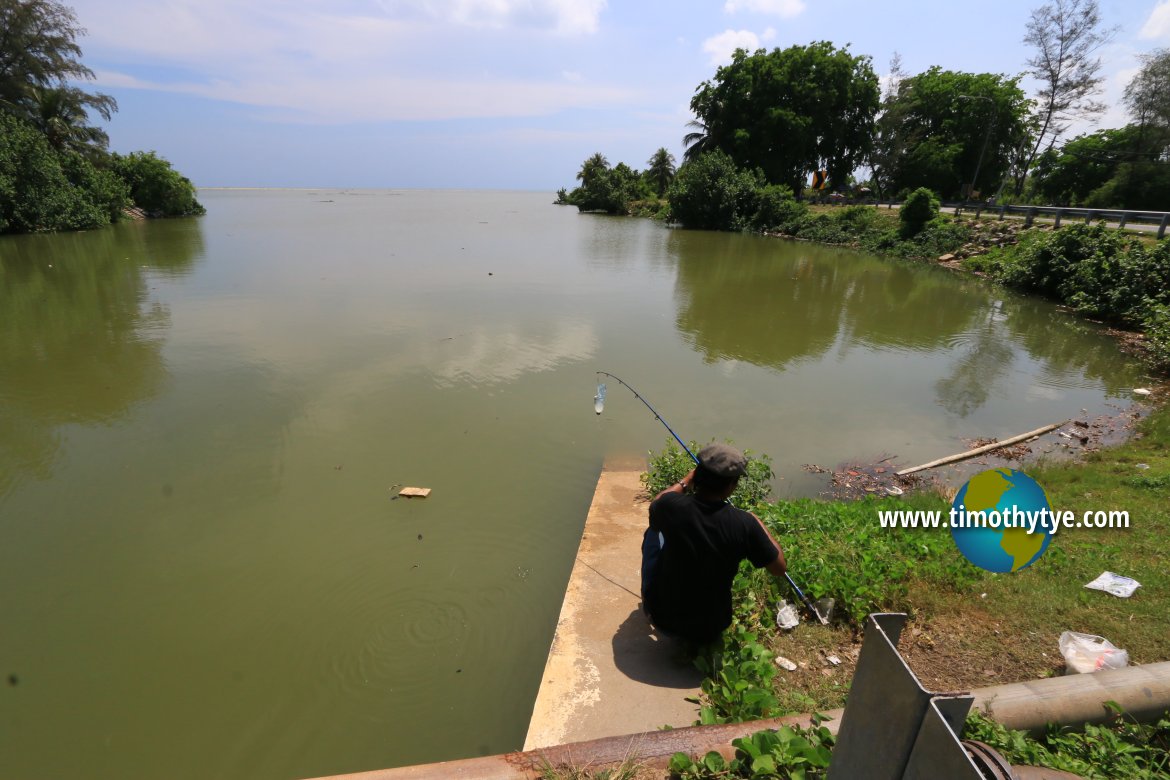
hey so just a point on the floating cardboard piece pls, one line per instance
(414, 492)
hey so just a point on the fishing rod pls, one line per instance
(599, 406)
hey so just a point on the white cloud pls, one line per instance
(783, 8)
(387, 98)
(573, 76)
(768, 34)
(1158, 25)
(720, 47)
(568, 17)
(378, 62)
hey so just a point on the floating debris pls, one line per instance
(414, 492)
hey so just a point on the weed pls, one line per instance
(790, 751)
(629, 769)
(672, 464)
(1119, 748)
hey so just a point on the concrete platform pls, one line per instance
(608, 672)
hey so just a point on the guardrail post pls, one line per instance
(1089, 216)
(1028, 219)
(1059, 214)
(1002, 211)
(1162, 226)
(1121, 222)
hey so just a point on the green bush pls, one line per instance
(1095, 269)
(104, 188)
(711, 193)
(777, 209)
(35, 192)
(920, 207)
(156, 187)
(1157, 327)
(672, 464)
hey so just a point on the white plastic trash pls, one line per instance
(784, 663)
(786, 616)
(1085, 653)
(1122, 587)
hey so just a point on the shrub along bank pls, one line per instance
(43, 188)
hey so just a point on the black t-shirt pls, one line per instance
(689, 593)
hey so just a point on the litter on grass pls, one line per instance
(786, 616)
(1084, 653)
(784, 663)
(1116, 584)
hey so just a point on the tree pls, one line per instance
(1068, 176)
(38, 48)
(889, 143)
(711, 193)
(789, 112)
(1147, 97)
(591, 168)
(61, 114)
(36, 190)
(942, 126)
(1066, 35)
(155, 186)
(660, 170)
(697, 141)
(603, 188)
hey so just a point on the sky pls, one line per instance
(496, 94)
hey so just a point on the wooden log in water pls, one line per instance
(983, 449)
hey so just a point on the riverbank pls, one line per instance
(969, 628)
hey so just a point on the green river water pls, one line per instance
(201, 571)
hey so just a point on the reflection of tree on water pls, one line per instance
(985, 361)
(773, 303)
(79, 342)
(1070, 349)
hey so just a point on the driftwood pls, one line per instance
(983, 449)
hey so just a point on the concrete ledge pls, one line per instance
(608, 672)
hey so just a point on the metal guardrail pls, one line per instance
(1059, 213)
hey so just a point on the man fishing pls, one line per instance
(694, 545)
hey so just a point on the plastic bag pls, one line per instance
(1122, 587)
(786, 616)
(1090, 653)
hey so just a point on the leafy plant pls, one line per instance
(790, 751)
(712, 193)
(1121, 747)
(920, 207)
(672, 464)
(155, 186)
(738, 682)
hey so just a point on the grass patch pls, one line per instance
(969, 628)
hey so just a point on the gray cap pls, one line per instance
(723, 461)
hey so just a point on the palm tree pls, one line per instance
(591, 168)
(62, 114)
(697, 141)
(660, 170)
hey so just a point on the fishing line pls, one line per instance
(599, 407)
